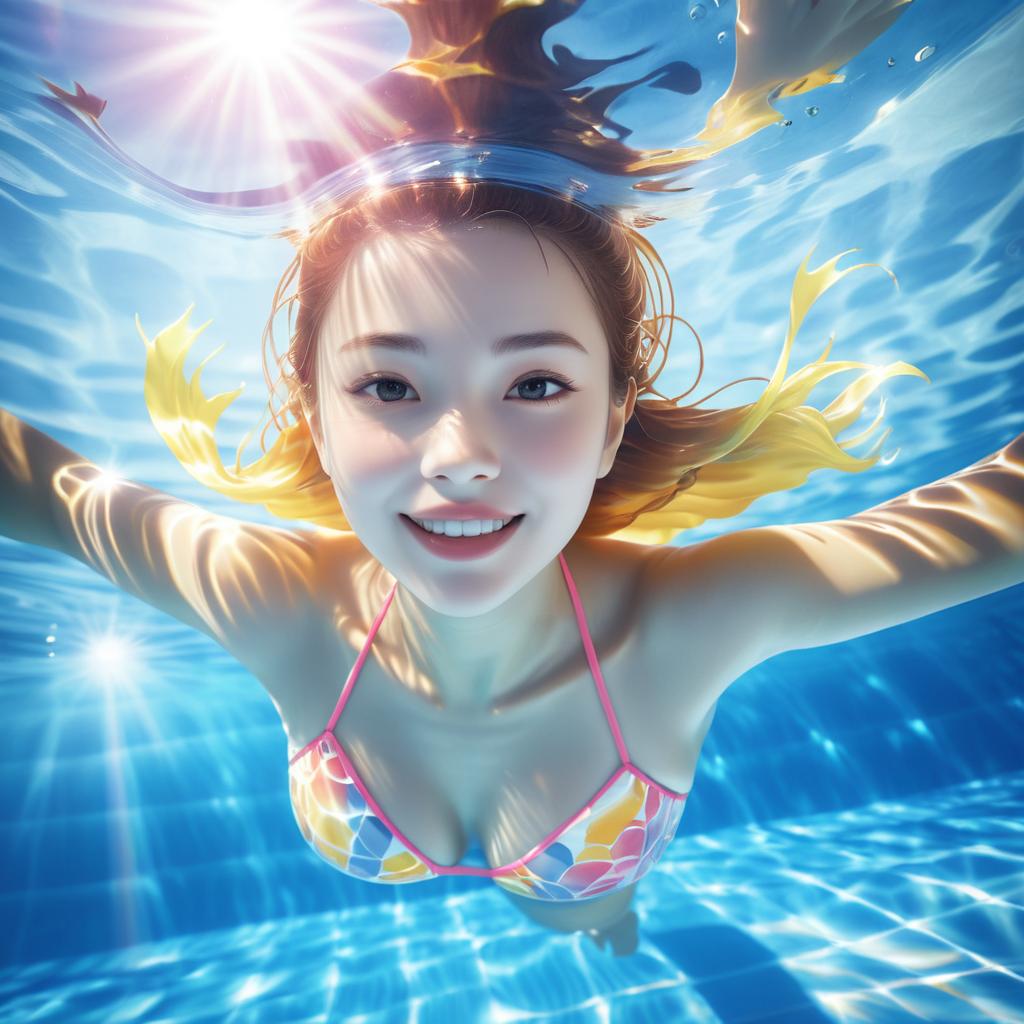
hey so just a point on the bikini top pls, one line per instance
(610, 843)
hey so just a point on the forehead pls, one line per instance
(484, 279)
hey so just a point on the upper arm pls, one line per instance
(239, 583)
(724, 605)
(781, 588)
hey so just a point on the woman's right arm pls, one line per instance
(243, 584)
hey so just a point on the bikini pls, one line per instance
(612, 842)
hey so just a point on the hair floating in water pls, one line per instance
(743, 453)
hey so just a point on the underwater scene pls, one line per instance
(852, 849)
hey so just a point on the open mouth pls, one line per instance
(434, 533)
(459, 548)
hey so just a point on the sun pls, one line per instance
(230, 93)
(253, 32)
(113, 659)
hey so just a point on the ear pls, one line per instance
(317, 434)
(617, 419)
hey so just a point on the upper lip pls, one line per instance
(469, 510)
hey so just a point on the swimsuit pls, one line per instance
(612, 842)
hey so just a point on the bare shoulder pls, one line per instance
(727, 574)
(706, 615)
(277, 585)
(610, 572)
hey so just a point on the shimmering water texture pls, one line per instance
(888, 913)
(852, 849)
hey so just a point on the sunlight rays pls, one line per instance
(238, 83)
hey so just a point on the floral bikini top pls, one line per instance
(613, 841)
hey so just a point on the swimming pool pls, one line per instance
(852, 845)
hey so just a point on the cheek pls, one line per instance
(362, 461)
(560, 446)
(361, 453)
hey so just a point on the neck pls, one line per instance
(473, 663)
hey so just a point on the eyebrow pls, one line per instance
(512, 343)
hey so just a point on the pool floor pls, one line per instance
(886, 913)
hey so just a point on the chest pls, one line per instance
(508, 778)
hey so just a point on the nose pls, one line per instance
(458, 451)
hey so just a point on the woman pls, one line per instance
(473, 359)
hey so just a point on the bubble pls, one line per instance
(49, 654)
(721, 37)
(891, 62)
(697, 12)
(53, 627)
(786, 123)
(51, 639)
(812, 111)
(924, 53)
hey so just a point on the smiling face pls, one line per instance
(468, 411)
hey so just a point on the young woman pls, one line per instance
(484, 637)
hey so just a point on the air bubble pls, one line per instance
(812, 111)
(786, 123)
(721, 37)
(891, 62)
(924, 53)
(697, 12)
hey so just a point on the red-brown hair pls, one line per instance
(606, 255)
(677, 465)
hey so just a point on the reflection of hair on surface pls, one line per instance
(481, 72)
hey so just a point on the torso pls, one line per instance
(508, 778)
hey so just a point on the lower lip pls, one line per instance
(460, 549)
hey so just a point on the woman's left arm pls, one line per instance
(936, 546)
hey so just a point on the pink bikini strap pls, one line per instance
(595, 668)
(351, 681)
(588, 647)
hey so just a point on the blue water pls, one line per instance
(854, 841)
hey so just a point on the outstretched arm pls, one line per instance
(936, 546)
(229, 579)
(781, 588)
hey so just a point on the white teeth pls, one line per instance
(462, 527)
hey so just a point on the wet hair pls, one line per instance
(678, 463)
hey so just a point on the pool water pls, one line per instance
(852, 848)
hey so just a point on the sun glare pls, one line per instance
(112, 659)
(253, 32)
(233, 89)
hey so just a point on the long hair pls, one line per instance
(678, 464)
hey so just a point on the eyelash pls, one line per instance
(375, 378)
